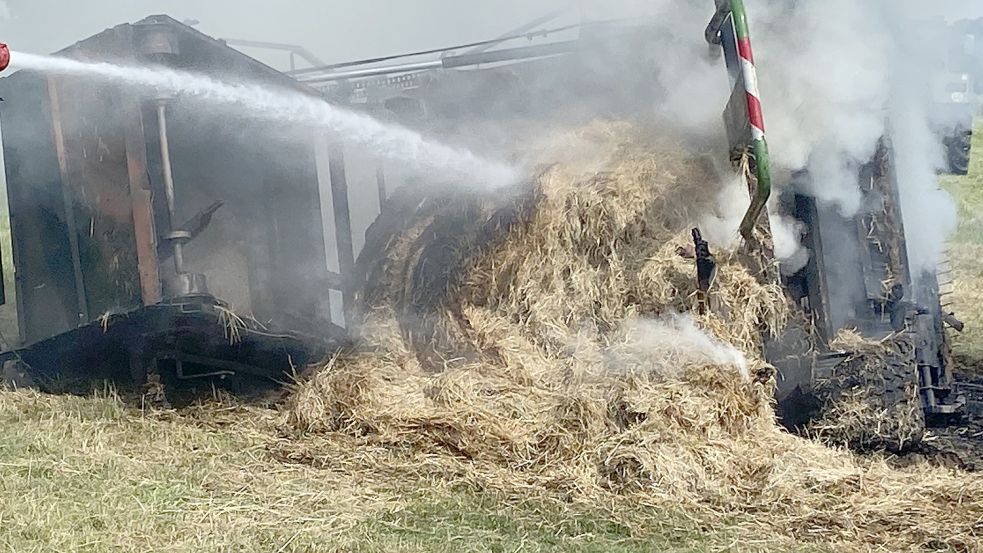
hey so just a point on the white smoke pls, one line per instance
(787, 235)
(836, 77)
(4, 11)
(824, 87)
(392, 142)
(668, 345)
(722, 227)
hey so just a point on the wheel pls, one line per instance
(871, 400)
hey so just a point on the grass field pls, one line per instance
(89, 474)
(92, 474)
(966, 255)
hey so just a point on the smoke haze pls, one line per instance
(836, 77)
(834, 85)
(833, 74)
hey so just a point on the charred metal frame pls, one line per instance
(61, 177)
(144, 227)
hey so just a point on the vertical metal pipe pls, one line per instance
(165, 157)
(343, 223)
(380, 182)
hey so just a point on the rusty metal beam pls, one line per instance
(54, 104)
(144, 227)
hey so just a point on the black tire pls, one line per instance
(871, 401)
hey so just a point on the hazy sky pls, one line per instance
(335, 30)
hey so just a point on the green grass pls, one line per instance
(89, 474)
(966, 255)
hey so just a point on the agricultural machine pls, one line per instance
(859, 276)
(143, 234)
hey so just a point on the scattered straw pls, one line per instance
(546, 349)
(232, 323)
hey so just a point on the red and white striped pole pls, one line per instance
(749, 71)
(745, 60)
(759, 144)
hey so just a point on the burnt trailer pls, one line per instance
(151, 236)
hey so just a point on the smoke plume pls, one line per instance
(667, 346)
(836, 77)
(839, 75)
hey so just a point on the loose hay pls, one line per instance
(550, 354)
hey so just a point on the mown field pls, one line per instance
(965, 255)
(94, 474)
(90, 474)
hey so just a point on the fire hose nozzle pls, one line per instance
(4, 56)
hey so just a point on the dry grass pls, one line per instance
(89, 474)
(566, 378)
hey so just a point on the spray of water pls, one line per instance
(262, 102)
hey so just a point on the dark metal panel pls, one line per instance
(380, 179)
(46, 298)
(303, 280)
(58, 134)
(817, 288)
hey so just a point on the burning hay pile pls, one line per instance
(547, 345)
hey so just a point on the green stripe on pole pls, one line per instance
(763, 164)
(740, 18)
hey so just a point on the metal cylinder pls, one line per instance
(165, 158)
